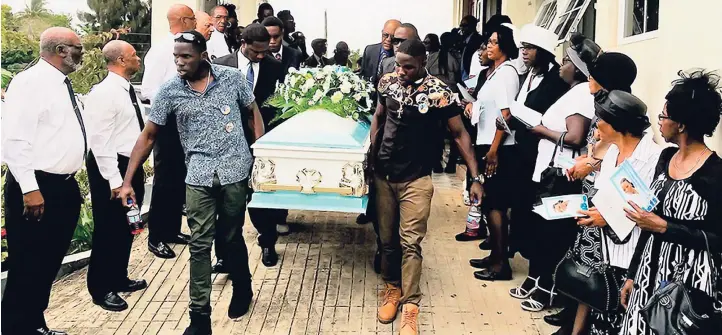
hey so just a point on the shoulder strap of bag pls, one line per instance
(559, 146)
(713, 271)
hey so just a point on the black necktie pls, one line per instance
(77, 114)
(137, 107)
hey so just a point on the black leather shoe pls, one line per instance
(468, 236)
(362, 219)
(161, 250)
(200, 324)
(491, 275)
(179, 239)
(220, 267)
(111, 302)
(240, 303)
(564, 317)
(46, 331)
(134, 285)
(377, 262)
(270, 257)
(480, 263)
(485, 245)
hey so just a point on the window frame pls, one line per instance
(545, 9)
(623, 17)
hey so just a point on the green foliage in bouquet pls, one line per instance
(333, 88)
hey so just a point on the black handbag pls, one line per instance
(594, 285)
(553, 181)
(676, 309)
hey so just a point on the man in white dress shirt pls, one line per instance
(44, 143)
(204, 24)
(168, 197)
(114, 121)
(217, 45)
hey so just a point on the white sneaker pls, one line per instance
(282, 229)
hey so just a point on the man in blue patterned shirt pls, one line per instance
(207, 101)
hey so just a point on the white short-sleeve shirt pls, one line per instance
(578, 100)
(497, 93)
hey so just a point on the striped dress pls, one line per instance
(688, 205)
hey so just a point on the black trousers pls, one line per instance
(36, 249)
(168, 197)
(112, 240)
(264, 220)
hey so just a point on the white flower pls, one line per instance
(311, 102)
(318, 95)
(328, 69)
(293, 80)
(346, 87)
(336, 97)
(292, 70)
(357, 96)
(298, 100)
(307, 85)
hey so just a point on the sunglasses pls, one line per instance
(396, 41)
(188, 37)
(663, 117)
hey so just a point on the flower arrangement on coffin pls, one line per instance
(332, 88)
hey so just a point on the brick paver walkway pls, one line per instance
(324, 283)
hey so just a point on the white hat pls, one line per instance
(538, 36)
(515, 33)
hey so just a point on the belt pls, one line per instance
(48, 175)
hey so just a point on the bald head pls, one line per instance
(180, 18)
(53, 37)
(61, 47)
(121, 58)
(204, 24)
(388, 33)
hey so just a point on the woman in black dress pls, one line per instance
(688, 183)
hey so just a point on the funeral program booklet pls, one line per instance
(526, 115)
(623, 186)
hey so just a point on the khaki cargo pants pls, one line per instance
(403, 213)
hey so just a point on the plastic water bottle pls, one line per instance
(135, 221)
(473, 219)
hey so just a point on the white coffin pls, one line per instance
(313, 161)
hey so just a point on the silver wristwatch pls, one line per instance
(479, 178)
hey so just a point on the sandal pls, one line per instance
(520, 292)
(532, 304)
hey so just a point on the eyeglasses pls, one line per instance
(193, 18)
(79, 46)
(396, 41)
(385, 36)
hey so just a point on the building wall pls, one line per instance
(687, 38)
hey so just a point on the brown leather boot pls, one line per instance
(409, 320)
(387, 311)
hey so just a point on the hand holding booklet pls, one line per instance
(526, 115)
(623, 186)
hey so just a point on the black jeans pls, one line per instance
(168, 197)
(112, 240)
(36, 249)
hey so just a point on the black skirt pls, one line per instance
(500, 188)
